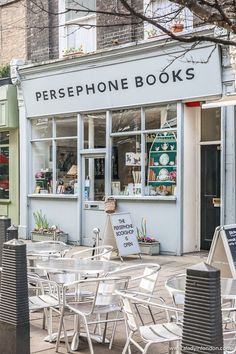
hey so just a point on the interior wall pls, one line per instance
(191, 195)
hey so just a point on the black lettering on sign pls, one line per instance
(38, 95)
(138, 81)
(231, 238)
(189, 74)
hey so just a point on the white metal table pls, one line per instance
(46, 248)
(77, 266)
(177, 283)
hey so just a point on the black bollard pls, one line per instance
(14, 307)
(4, 224)
(12, 233)
(202, 327)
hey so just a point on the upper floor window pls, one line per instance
(167, 14)
(77, 26)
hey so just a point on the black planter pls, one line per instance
(5, 81)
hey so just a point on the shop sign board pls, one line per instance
(222, 254)
(120, 233)
(129, 82)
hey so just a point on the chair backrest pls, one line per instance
(100, 253)
(106, 291)
(143, 276)
(149, 279)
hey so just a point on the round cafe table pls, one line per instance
(46, 248)
(77, 266)
(80, 266)
(176, 284)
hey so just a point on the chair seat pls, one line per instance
(86, 307)
(42, 302)
(161, 332)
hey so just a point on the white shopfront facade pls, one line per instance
(87, 129)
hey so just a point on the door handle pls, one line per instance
(216, 202)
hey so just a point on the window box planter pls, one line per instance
(48, 236)
(150, 248)
(71, 55)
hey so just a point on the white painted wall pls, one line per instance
(160, 215)
(191, 194)
(60, 212)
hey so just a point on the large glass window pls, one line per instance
(94, 130)
(54, 155)
(169, 15)
(80, 37)
(126, 165)
(4, 165)
(211, 124)
(144, 160)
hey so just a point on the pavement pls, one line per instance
(170, 265)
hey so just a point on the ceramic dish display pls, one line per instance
(164, 159)
(163, 174)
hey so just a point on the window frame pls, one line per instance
(54, 140)
(142, 132)
(65, 24)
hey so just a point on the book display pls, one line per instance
(162, 164)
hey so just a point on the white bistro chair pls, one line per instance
(149, 334)
(95, 310)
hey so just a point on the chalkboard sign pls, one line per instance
(222, 254)
(231, 238)
(119, 228)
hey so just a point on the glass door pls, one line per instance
(94, 178)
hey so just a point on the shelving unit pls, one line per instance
(162, 163)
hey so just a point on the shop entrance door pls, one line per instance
(210, 193)
(93, 192)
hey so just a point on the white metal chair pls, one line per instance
(105, 302)
(149, 334)
(44, 295)
(143, 279)
(101, 253)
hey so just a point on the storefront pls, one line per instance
(122, 123)
(9, 165)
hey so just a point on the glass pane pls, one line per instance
(4, 171)
(4, 138)
(126, 165)
(66, 127)
(66, 162)
(41, 128)
(161, 169)
(156, 117)
(94, 130)
(94, 184)
(210, 124)
(126, 120)
(78, 5)
(42, 167)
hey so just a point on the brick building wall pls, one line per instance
(13, 32)
(128, 30)
(42, 34)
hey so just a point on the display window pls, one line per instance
(144, 163)
(4, 165)
(126, 120)
(54, 155)
(126, 165)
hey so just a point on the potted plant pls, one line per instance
(152, 33)
(178, 25)
(73, 52)
(147, 244)
(44, 232)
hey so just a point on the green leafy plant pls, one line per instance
(5, 71)
(40, 220)
(72, 50)
(142, 233)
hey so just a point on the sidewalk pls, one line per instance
(170, 265)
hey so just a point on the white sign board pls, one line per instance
(123, 233)
(138, 81)
(222, 254)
